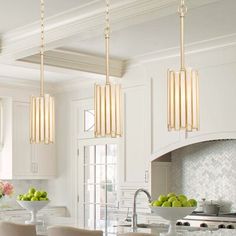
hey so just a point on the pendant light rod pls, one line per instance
(42, 107)
(42, 50)
(182, 11)
(107, 39)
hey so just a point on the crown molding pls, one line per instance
(78, 61)
(192, 48)
(86, 22)
(10, 82)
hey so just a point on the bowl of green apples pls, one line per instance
(34, 200)
(173, 207)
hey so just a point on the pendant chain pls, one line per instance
(107, 38)
(182, 11)
(42, 47)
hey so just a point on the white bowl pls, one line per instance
(172, 214)
(33, 207)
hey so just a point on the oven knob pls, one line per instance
(179, 223)
(186, 224)
(230, 227)
(221, 226)
(204, 225)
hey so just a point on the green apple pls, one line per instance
(19, 197)
(24, 198)
(186, 204)
(162, 198)
(182, 198)
(43, 194)
(172, 199)
(37, 194)
(30, 195)
(192, 202)
(166, 204)
(34, 199)
(32, 191)
(169, 195)
(176, 204)
(157, 203)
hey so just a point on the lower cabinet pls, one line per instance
(19, 159)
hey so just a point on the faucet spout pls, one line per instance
(135, 217)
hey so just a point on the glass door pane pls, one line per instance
(100, 185)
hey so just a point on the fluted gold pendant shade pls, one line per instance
(183, 91)
(108, 111)
(183, 107)
(108, 100)
(42, 108)
(42, 119)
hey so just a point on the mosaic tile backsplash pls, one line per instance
(207, 170)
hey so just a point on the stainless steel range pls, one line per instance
(221, 221)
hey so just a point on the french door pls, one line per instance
(97, 184)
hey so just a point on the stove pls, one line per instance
(202, 220)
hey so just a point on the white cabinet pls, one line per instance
(21, 159)
(136, 151)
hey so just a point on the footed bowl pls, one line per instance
(172, 214)
(33, 207)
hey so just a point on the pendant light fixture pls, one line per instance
(42, 112)
(108, 117)
(183, 90)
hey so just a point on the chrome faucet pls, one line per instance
(134, 222)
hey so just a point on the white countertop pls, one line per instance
(113, 231)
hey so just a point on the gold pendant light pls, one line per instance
(42, 114)
(183, 91)
(108, 117)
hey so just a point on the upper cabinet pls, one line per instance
(19, 159)
(136, 136)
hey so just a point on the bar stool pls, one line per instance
(72, 231)
(13, 229)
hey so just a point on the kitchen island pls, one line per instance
(119, 230)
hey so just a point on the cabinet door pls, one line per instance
(161, 137)
(217, 102)
(136, 136)
(22, 150)
(44, 161)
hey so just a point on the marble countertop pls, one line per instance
(119, 230)
(113, 231)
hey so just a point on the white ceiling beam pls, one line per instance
(78, 61)
(86, 22)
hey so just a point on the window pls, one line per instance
(89, 120)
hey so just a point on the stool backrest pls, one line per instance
(12, 229)
(72, 231)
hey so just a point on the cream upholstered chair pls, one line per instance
(136, 234)
(12, 229)
(72, 231)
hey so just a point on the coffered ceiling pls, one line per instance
(74, 32)
(18, 13)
